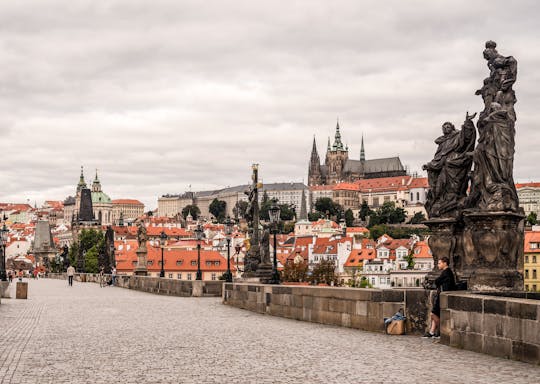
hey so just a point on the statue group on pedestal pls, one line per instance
(473, 208)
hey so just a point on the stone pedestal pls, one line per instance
(442, 243)
(264, 272)
(251, 262)
(141, 269)
(22, 290)
(492, 251)
(197, 288)
(4, 290)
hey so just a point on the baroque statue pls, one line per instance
(448, 172)
(142, 237)
(493, 187)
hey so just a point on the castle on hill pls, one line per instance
(338, 167)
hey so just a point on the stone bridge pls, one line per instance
(88, 334)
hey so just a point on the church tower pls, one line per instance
(336, 157)
(314, 172)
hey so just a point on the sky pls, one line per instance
(169, 96)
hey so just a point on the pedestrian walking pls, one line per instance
(10, 277)
(70, 273)
(445, 282)
(20, 274)
(113, 274)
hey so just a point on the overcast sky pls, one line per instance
(160, 95)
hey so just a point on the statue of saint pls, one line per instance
(265, 246)
(142, 237)
(448, 172)
(493, 186)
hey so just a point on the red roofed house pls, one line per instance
(179, 264)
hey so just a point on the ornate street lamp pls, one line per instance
(228, 232)
(3, 241)
(274, 212)
(199, 234)
(162, 240)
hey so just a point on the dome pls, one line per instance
(100, 198)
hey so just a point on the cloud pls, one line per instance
(169, 94)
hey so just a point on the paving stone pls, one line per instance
(88, 334)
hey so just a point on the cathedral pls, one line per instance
(339, 168)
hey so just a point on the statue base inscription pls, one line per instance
(141, 268)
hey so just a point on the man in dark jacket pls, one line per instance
(445, 282)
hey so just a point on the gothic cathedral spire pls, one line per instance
(362, 152)
(338, 145)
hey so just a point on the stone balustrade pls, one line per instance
(157, 285)
(348, 307)
(501, 326)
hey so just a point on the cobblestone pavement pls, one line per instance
(88, 334)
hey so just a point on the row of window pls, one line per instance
(533, 258)
(533, 287)
(188, 276)
(180, 262)
(534, 276)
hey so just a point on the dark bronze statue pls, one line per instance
(493, 186)
(448, 172)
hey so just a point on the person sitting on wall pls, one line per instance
(445, 282)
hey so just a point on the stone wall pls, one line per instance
(500, 326)
(348, 307)
(171, 287)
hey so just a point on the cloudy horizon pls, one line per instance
(165, 95)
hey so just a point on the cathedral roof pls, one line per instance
(100, 198)
(387, 164)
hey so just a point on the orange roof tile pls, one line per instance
(127, 201)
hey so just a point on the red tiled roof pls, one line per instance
(383, 183)
(357, 230)
(532, 237)
(357, 257)
(422, 250)
(321, 188)
(175, 260)
(531, 184)
(419, 182)
(346, 187)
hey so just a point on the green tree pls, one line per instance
(387, 214)
(349, 218)
(314, 216)
(365, 212)
(218, 208)
(240, 208)
(295, 272)
(264, 207)
(324, 272)
(364, 283)
(396, 232)
(193, 209)
(418, 218)
(532, 218)
(286, 212)
(91, 260)
(410, 260)
(326, 205)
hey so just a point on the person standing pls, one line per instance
(70, 274)
(113, 273)
(445, 282)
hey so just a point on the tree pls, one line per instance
(388, 214)
(91, 244)
(264, 207)
(218, 208)
(193, 209)
(410, 260)
(286, 212)
(314, 216)
(240, 208)
(532, 218)
(295, 272)
(396, 232)
(365, 212)
(364, 283)
(326, 205)
(418, 218)
(349, 218)
(324, 272)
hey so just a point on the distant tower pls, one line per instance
(86, 212)
(314, 172)
(96, 185)
(336, 157)
(303, 206)
(362, 152)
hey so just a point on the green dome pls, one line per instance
(100, 198)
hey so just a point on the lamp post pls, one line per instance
(3, 241)
(274, 212)
(199, 234)
(228, 232)
(162, 240)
